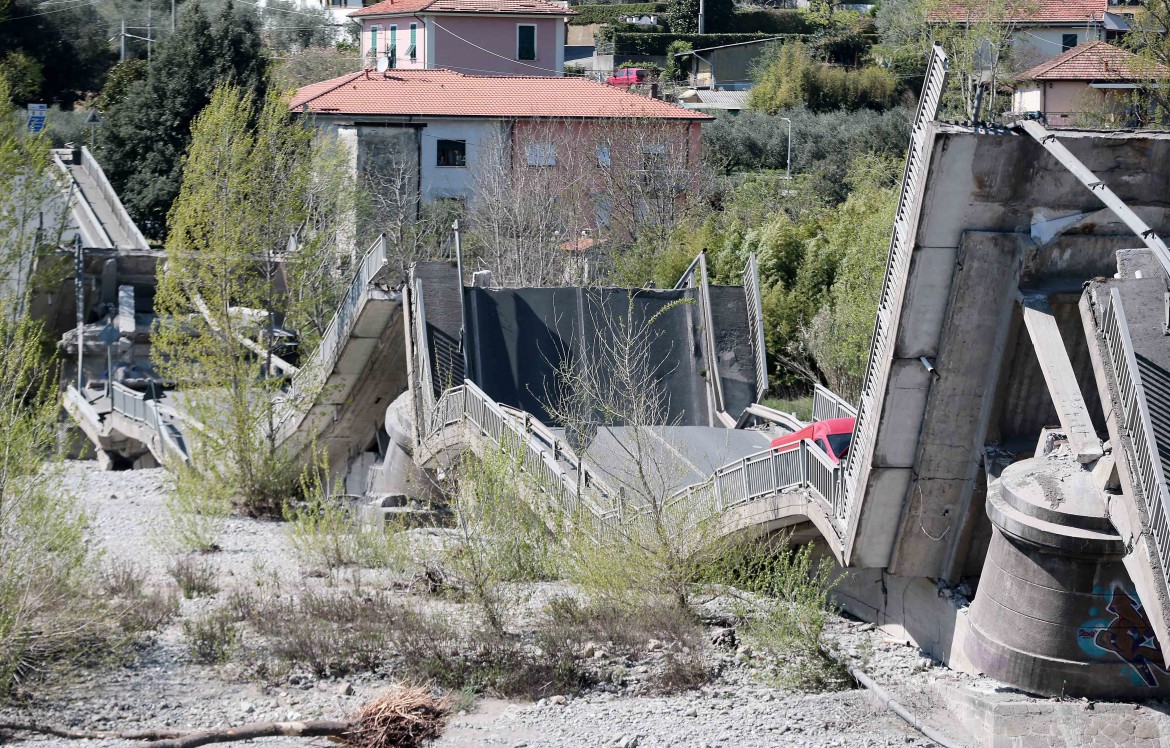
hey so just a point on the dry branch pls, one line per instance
(403, 718)
(312, 729)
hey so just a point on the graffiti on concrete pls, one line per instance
(1126, 635)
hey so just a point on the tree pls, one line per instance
(979, 37)
(247, 185)
(1147, 39)
(789, 77)
(147, 132)
(65, 52)
(44, 559)
(312, 65)
(289, 27)
(683, 15)
(618, 418)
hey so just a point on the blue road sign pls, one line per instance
(36, 117)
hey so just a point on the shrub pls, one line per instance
(330, 634)
(639, 43)
(211, 637)
(613, 13)
(791, 608)
(325, 534)
(464, 656)
(675, 70)
(196, 577)
(136, 608)
(789, 77)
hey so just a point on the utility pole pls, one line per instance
(122, 41)
(172, 15)
(702, 16)
(149, 35)
(79, 290)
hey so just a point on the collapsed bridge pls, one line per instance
(1003, 504)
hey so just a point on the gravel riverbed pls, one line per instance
(161, 686)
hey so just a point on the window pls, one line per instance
(525, 41)
(392, 47)
(1067, 42)
(541, 154)
(603, 157)
(412, 50)
(374, 39)
(451, 153)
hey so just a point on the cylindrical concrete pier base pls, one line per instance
(1056, 612)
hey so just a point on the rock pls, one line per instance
(627, 741)
(724, 638)
(692, 712)
(654, 645)
(345, 689)
(246, 708)
(558, 700)
(292, 716)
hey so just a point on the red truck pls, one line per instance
(628, 77)
(832, 436)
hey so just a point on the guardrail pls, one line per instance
(755, 313)
(828, 405)
(335, 335)
(695, 276)
(138, 407)
(93, 232)
(1137, 422)
(123, 219)
(889, 305)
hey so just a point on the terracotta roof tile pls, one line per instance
(445, 93)
(515, 7)
(1023, 11)
(1094, 61)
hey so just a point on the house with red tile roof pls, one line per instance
(1041, 29)
(441, 129)
(480, 37)
(1095, 79)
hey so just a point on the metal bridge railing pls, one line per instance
(828, 405)
(139, 408)
(1137, 422)
(340, 327)
(755, 313)
(893, 287)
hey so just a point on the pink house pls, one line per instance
(479, 37)
(1094, 84)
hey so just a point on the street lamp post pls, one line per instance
(788, 170)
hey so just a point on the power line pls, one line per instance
(78, 5)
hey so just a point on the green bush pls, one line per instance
(613, 14)
(767, 21)
(634, 43)
(789, 77)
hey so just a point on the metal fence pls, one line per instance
(340, 327)
(1137, 422)
(139, 408)
(828, 404)
(755, 313)
(893, 287)
(121, 217)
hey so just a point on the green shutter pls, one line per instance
(374, 40)
(411, 53)
(526, 42)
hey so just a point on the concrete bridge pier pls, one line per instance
(1056, 612)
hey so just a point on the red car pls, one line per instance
(628, 77)
(832, 436)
